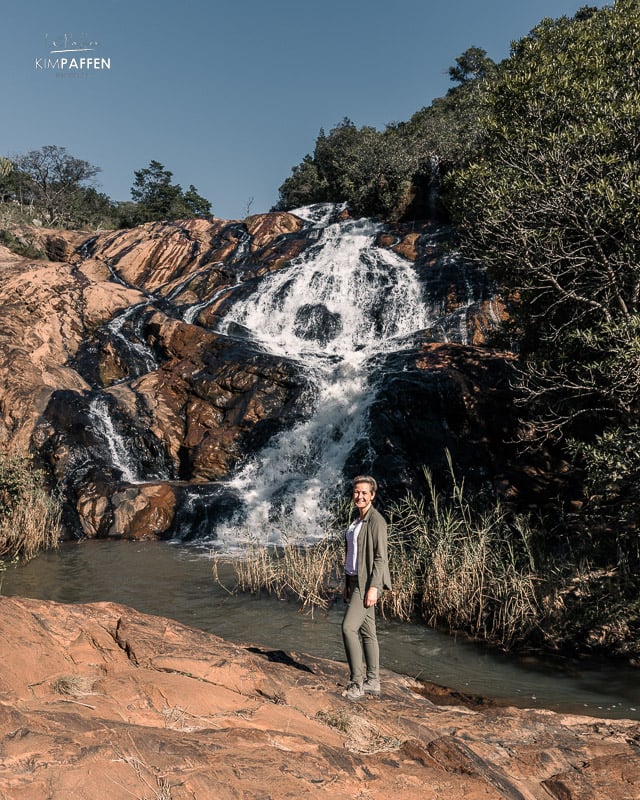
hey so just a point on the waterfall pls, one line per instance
(344, 299)
(346, 314)
(114, 274)
(140, 356)
(121, 457)
(333, 309)
(182, 285)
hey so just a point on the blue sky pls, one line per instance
(230, 94)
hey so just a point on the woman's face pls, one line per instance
(362, 496)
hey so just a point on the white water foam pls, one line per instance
(141, 352)
(121, 457)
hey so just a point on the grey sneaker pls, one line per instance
(371, 686)
(354, 691)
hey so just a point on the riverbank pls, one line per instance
(100, 700)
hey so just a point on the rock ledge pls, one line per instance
(101, 701)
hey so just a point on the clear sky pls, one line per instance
(230, 94)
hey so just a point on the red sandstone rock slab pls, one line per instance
(100, 701)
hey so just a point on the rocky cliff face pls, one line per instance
(102, 701)
(116, 371)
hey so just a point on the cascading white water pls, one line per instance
(342, 302)
(344, 298)
(121, 457)
(139, 350)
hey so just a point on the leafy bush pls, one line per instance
(20, 247)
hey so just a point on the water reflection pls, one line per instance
(175, 581)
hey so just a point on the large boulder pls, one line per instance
(445, 399)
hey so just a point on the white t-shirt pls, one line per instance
(351, 564)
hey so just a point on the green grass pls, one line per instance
(21, 247)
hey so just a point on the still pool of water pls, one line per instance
(175, 581)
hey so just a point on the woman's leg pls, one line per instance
(370, 643)
(352, 622)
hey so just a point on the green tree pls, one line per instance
(472, 65)
(551, 203)
(450, 130)
(7, 180)
(154, 192)
(396, 173)
(196, 205)
(370, 170)
(91, 208)
(304, 186)
(157, 198)
(52, 181)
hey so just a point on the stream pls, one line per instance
(174, 580)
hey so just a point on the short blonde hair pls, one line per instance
(365, 479)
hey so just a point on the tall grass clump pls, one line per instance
(463, 566)
(30, 515)
(312, 574)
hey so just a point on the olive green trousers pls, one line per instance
(359, 636)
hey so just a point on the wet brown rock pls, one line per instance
(140, 511)
(187, 403)
(407, 247)
(159, 253)
(465, 404)
(405, 244)
(47, 309)
(101, 701)
(94, 507)
(484, 319)
(264, 228)
(152, 254)
(143, 511)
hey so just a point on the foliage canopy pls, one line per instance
(58, 186)
(394, 173)
(157, 198)
(551, 203)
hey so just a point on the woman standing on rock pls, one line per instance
(366, 575)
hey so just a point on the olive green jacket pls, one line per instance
(373, 560)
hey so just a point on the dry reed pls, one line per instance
(310, 574)
(464, 568)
